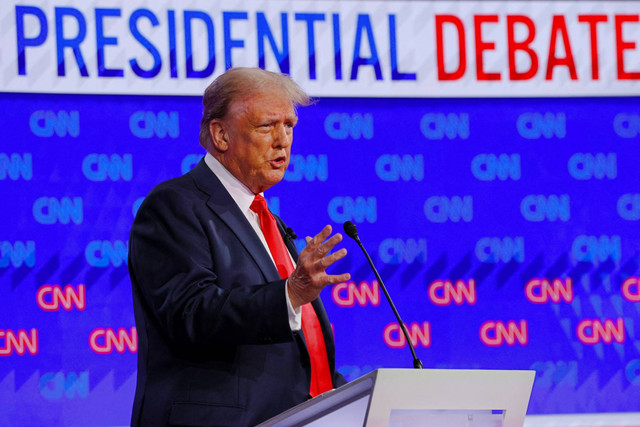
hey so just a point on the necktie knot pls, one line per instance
(272, 236)
(259, 204)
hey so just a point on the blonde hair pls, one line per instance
(238, 82)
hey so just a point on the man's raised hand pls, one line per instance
(310, 277)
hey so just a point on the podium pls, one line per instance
(414, 397)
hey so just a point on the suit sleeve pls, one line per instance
(170, 263)
(338, 379)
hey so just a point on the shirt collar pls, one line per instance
(239, 192)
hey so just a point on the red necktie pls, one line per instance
(320, 374)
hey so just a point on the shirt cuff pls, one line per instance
(295, 316)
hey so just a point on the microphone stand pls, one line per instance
(351, 231)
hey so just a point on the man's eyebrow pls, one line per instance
(268, 116)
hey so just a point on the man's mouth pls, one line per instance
(278, 162)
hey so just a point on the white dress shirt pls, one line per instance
(244, 198)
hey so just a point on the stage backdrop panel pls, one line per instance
(506, 229)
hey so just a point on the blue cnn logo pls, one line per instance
(398, 251)
(49, 210)
(442, 209)
(99, 167)
(309, 168)
(629, 206)
(393, 167)
(536, 207)
(45, 123)
(537, 125)
(592, 248)
(147, 124)
(488, 167)
(16, 167)
(626, 125)
(358, 210)
(585, 166)
(105, 253)
(17, 254)
(492, 250)
(189, 162)
(343, 126)
(56, 385)
(439, 125)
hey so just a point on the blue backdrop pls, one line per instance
(506, 229)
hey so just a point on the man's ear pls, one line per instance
(219, 136)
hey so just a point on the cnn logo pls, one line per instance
(346, 294)
(595, 331)
(498, 333)
(444, 292)
(541, 291)
(55, 297)
(420, 335)
(108, 340)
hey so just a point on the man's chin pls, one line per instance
(277, 178)
(271, 179)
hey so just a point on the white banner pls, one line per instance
(331, 48)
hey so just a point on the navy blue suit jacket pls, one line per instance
(214, 343)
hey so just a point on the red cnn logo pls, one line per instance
(628, 287)
(594, 331)
(20, 342)
(104, 341)
(52, 297)
(495, 334)
(346, 294)
(443, 292)
(540, 291)
(419, 334)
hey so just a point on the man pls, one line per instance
(227, 336)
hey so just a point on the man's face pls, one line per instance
(259, 132)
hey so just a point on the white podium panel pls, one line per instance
(412, 397)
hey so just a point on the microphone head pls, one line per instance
(351, 230)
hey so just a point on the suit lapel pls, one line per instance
(223, 205)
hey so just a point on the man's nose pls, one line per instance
(282, 135)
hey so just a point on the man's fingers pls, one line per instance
(326, 247)
(331, 243)
(320, 237)
(337, 278)
(329, 279)
(328, 260)
(317, 257)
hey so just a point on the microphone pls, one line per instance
(351, 231)
(288, 232)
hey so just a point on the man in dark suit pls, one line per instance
(230, 324)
